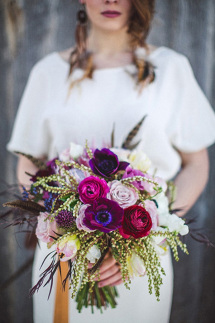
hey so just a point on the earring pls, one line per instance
(82, 16)
(81, 30)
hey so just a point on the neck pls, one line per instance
(108, 44)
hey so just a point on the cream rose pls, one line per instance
(123, 195)
(139, 160)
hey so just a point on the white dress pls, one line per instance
(178, 115)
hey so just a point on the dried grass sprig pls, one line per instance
(89, 151)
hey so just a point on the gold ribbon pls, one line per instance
(61, 310)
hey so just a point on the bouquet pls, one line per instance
(88, 202)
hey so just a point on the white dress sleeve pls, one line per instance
(192, 124)
(30, 133)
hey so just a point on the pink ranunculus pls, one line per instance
(150, 187)
(123, 195)
(147, 186)
(92, 188)
(152, 209)
(130, 172)
(81, 216)
(45, 228)
(161, 182)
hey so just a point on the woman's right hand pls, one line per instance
(110, 273)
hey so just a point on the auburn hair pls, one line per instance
(141, 17)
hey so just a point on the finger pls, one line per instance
(110, 272)
(111, 280)
(118, 282)
(107, 263)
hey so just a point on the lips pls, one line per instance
(111, 14)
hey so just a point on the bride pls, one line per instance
(116, 78)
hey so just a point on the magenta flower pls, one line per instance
(104, 215)
(92, 188)
(106, 163)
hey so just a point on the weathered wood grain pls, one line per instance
(32, 29)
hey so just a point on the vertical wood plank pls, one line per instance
(35, 28)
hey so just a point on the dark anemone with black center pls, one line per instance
(105, 163)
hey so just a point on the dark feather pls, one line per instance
(28, 206)
(37, 162)
(127, 143)
(202, 238)
(113, 136)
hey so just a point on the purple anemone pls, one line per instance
(106, 163)
(103, 215)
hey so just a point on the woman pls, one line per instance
(113, 81)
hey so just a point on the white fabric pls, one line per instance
(177, 111)
(134, 305)
(177, 114)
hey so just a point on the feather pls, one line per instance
(127, 143)
(113, 136)
(28, 206)
(37, 162)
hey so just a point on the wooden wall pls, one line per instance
(32, 29)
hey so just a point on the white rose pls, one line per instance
(76, 150)
(139, 160)
(93, 254)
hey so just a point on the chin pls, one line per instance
(112, 27)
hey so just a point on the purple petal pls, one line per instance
(123, 165)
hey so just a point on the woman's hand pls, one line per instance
(110, 274)
(191, 180)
